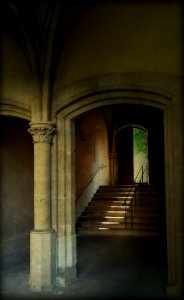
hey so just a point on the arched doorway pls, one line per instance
(16, 192)
(132, 154)
(66, 190)
(138, 145)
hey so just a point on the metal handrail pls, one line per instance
(134, 182)
(139, 184)
(89, 181)
(136, 185)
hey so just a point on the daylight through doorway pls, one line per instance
(140, 155)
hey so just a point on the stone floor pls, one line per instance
(109, 267)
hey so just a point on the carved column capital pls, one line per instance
(42, 132)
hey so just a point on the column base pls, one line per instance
(42, 260)
(175, 291)
(66, 262)
(66, 277)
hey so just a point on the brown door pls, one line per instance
(125, 156)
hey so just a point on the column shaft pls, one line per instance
(42, 186)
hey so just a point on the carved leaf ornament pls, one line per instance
(42, 134)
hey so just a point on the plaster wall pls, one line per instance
(16, 187)
(91, 152)
(123, 37)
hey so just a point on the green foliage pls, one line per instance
(140, 141)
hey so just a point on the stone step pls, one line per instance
(122, 232)
(108, 214)
(121, 202)
(126, 187)
(127, 225)
(100, 202)
(123, 208)
(116, 215)
(135, 226)
(126, 199)
(109, 196)
(126, 193)
(121, 219)
(107, 207)
(115, 186)
(104, 213)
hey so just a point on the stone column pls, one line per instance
(42, 239)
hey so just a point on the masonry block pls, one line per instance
(42, 260)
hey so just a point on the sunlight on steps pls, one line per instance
(108, 214)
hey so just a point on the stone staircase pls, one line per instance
(115, 210)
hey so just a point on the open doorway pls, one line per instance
(135, 137)
(16, 193)
(150, 117)
(140, 155)
(132, 155)
(139, 142)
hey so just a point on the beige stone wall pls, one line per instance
(16, 192)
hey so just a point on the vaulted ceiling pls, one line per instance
(40, 28)
(52, 44)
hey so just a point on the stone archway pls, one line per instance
(136, 122)
(66, 249)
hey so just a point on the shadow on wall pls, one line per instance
(91, 153)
